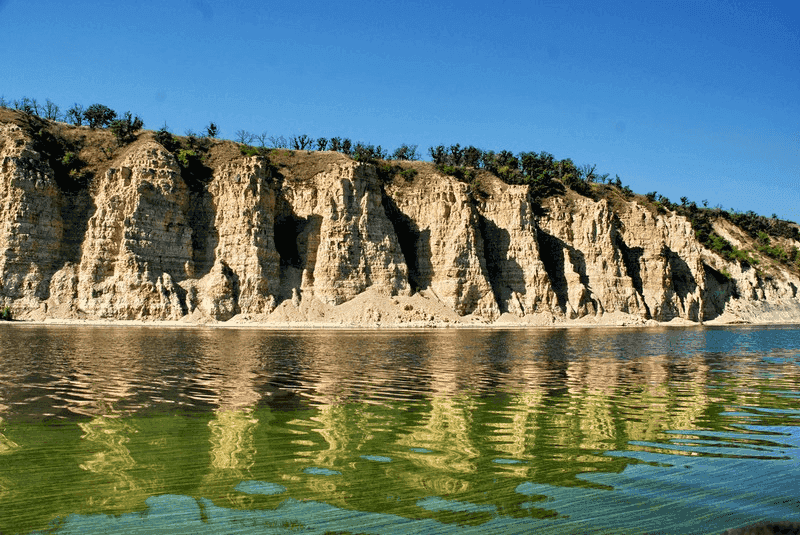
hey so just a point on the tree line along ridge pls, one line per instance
(541, 171)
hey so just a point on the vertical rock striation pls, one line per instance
(308, 232)
(31, 229)
(138, 244)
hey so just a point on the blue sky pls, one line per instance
(688, 98)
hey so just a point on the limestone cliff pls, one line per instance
(304, 236)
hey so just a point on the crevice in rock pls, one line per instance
(683, 282)
(296, 241)
(287, 229)
(411, 241)
(201, 218)
(500, 271)
(631, 259)
(76, 210)
(551, 250)
(201, 214)
(718, 290)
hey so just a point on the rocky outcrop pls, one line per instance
(446, 247)
(31, 228)
(316, 236)
(345, 243)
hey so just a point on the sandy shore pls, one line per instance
(370, 311)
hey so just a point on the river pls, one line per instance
(108, 429)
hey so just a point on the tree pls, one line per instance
(405, 152)
(125, 129)
(336, 144)
(588, 172)
(27, 105)
(51, 110)
(278, 142)
(456, 155)
(243, 137)
(472, 156)
(347, 146)
(262, 139)
(301, 142)
(212, 130)
(75, 114)
(98, 115)
(438, 154)
(506, 158)
(322, 143)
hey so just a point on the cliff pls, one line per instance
(300, 236)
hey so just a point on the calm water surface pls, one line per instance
(136, 429)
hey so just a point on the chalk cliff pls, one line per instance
(303, 236)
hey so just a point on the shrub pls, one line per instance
(248, 150)
(185, 157)
(69, 160)
(125, 129)
(322, 143)
(212, 130)
(408, 174)
(166, 139)
(368, 153)
(6, 315)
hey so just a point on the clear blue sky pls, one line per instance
(695, 98)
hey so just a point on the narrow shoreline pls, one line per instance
(411, 326)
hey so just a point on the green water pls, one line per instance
(126, 430)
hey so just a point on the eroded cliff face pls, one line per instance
(315, 236)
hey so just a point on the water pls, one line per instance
(136, 429)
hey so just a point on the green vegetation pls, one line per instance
(98, 115)
(166, 139)
(5, 314)
(125, 129)
(408, 174)
(186, 156)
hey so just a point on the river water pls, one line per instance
(165, 430)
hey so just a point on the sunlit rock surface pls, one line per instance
(301, 236)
